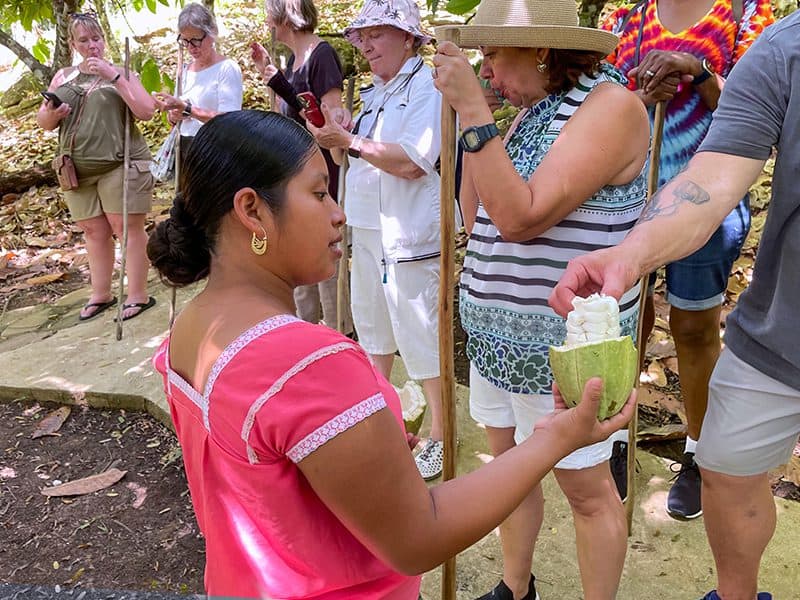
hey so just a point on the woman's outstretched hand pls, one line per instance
(579, 425)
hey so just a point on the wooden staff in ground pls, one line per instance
(446, 276)
(126, 159)
(173, 297)
(641, 344)
(343, 280)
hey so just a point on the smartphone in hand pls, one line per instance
(313, 113)
(56, 101)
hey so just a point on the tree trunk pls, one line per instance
(114, 54)
(62, 53)
(42, 72)
(589, 12)
(20, 181)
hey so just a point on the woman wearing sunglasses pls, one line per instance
(210, 84)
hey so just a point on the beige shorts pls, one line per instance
(752, 421)
(495, 407)
(100, 194)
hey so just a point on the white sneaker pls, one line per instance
(430, 459)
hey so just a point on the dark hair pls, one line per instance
(234, 150)
(565, 67)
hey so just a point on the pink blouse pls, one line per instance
(277, 393)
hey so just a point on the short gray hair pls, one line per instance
(300, 15)
(199, 17)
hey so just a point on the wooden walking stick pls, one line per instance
(342, 281)
(446, 276)
(641, 343)
(173, 295)
(126, 159)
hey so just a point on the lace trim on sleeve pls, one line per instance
(335, 426)
(278, 386)
(233, 349)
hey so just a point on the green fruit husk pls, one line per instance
(615, 361)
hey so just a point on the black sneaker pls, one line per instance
(501, 592)
(618, 463)
(683, 501)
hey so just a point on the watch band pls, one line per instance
(187, 110)
(354, 149)
(474, 138)
(707, 72)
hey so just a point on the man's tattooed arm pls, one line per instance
(662, 205)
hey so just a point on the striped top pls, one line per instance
(716, 37)
(505, 285)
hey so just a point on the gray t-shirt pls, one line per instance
(760, 109)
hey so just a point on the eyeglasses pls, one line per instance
(193, 42)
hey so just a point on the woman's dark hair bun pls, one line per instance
(178, 249)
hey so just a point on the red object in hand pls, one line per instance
(313, 113)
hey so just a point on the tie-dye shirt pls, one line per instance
(716, 37)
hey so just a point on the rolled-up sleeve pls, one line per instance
(421, 136)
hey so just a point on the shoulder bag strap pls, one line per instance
(640, 35)
(89, 90)
(738, 11)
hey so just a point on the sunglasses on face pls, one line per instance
(193, 42)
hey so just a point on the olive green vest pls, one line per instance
(99, 138)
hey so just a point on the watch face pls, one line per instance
(471, 139)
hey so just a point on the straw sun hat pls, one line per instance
(528, 24)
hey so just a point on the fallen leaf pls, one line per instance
(87, 485)
(655, 398)
(791, 470)
(655, 374)
(670, 431)
(37, 242)
(51, 423)
(671, 363)
(49, 278)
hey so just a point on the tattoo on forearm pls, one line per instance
(665, 204)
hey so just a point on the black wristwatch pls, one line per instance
(708, 71)
(474, 138)
(187, 110)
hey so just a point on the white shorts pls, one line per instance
(401, 314)
(492, 406)
(752, 421)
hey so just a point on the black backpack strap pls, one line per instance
(640, 6)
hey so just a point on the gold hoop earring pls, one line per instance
(259, 246)
(541, 67)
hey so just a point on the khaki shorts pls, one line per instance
(495, 407)
(100, 194)
(752, 421)
(401, 314)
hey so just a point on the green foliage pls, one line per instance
(150, 76)
(461, 7)
(41, 50)
(26, 13)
